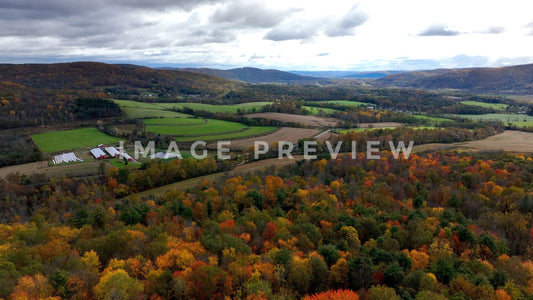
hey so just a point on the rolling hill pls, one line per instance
(33, 94)
(252, 75)
(509, 80)
(90, 75)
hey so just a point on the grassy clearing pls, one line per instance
(319, 110)
(496, 106)
(174, 121)
(251, 131)
(71, 139)
(136, 109)
(119, 163)
(434, 119)
(515, 119)
(137, 112)
(211, 127)
(346, 103)
(216, 108)
(344, 131)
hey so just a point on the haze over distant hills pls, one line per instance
(511, 80)
(256, 75)
(348, 74)
(251, 75)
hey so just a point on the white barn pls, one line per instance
(98, 153)
(65, 158)
(113, 152)
(127, 156)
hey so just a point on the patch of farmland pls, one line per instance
(216, 108)
(320, 110)
(346, 103)
(174, 121)
(284, 134)
(496, 106)
(211, 127)
(509, 140)
(312, 121)
(519, 120)
(248, 132)
(72, 139)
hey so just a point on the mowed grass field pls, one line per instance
(318, 110)
(174, 121)
(248, 132)
(216, 108)
(363, 129)
(136, 109)
(72, 139)
(496, 106)
(137, 113)
(195, 129)
(346, 102)
(433, 119)
(211, 127)
(515, 119)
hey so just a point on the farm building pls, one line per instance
(113, 152)
(65, 158)
(127, 156)
(98, 153)
(163, 155)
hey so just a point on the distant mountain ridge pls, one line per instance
(348, 74)
(510, 80)
(250, 75)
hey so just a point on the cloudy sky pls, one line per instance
(281, 34)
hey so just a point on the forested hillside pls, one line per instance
(431, 225)
(511, 80)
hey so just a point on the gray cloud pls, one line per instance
(439, 30)
(293, 31)
(348, 23)
(495, 30)
(530, 26)
(323, 54)
(207, 35)
(302, 29)
(250, 14)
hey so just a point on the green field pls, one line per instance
(251, 131)
(135, 113)
(211, 127)
(434, 119)
(496, 106)
(316, 110)
(344, 131)
(216, 108)
(346, 102)
(363, 129)
(515, 119)
(174, 121)
(72, 139)
(136, 109)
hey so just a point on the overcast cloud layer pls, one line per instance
(287, 34)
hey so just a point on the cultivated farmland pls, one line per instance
(284, 134)
(305, 120)
(215, 108)
(248, 132)
(495, 106)
(520, 120)
(72, 139)
(210, 127)
(346, 103)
